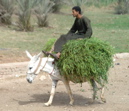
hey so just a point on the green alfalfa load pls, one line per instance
(86, 58)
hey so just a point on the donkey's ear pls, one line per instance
(39, 54)
(28, 54)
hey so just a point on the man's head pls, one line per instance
(76, 10)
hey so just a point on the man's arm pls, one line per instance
(73, 29)
(88, 26)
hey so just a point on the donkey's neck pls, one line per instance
(47, 65)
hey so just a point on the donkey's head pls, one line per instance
(33, 66)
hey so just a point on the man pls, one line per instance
(80, 29)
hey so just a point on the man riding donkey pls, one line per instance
(80, 29)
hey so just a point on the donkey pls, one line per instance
(46, 64)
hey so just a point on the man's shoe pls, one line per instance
(54, 56)
(45, 53)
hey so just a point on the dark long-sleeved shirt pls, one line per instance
(82, 26)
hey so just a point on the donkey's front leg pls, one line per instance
(54, 84)
(94, 85)
(66, 83)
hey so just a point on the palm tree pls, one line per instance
(6, 11)
(25, 9)
(42, 11)
(80, 3)
(57, 5)
(122, 7)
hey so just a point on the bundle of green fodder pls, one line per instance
(49, 44)
(86, 59)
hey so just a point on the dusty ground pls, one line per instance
(18, 95)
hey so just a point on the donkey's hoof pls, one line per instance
(91, 101)
(71, 102)
(103, 100)
(47, 104)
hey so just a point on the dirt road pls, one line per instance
(18, 95)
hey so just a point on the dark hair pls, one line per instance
(77, 8)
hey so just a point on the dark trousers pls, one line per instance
(64, 38)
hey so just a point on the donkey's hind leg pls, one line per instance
(94, 85)
(102, 94)
(95, 89)
(102, 91)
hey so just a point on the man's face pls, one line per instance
(75, 13)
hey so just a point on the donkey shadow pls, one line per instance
(60, 99)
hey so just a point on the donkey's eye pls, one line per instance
(30, 68)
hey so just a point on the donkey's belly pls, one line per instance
(76, 79)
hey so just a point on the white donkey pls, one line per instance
(46, 64)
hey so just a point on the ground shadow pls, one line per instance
(60, 99)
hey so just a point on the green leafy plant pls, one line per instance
(25, 9)
(49, 44)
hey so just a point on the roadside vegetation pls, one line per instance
(29, 24)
